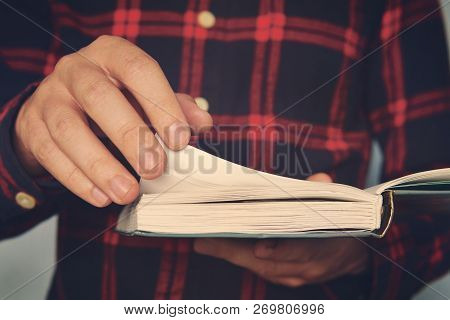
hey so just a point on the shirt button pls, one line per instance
(202, 103)
(206, 19)
(25, 200)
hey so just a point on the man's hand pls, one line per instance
(291, 262)
(116, 85)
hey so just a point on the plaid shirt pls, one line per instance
(259, 58)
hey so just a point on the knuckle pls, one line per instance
(98, 165)
(73, 175)
(138, 64)
(65, 63)
(46, 83)
(44, 150)
(96, 91)
(64, 126)
(128, 132)
(44, 93)
(106, 39)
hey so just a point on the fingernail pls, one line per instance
(120, 186)
(320, 177)
(150, 162)
(100, 197)
(179, 135)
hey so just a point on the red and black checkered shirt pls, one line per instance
(288, 62)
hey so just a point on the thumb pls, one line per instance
(198, 119)
(320, 177)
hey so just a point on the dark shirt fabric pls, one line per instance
(259, 63)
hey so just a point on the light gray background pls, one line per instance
(28, 255)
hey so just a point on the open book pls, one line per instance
(201, 195)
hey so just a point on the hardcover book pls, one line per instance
(201, 195)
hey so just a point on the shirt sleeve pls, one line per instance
(26, 56)
(409, 112)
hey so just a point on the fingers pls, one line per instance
(88, 84)
(74, 137)
(288, 273)
(62, 168)
(112, 112)
(143, 77)
(292, 282)
(198, 119)
(299, 250)
(237, 251)
(240, 252)
(320, 177)
(93, 83)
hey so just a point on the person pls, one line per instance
(86, 85)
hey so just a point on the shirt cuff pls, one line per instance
(20, 193)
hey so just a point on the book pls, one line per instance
(201, 195)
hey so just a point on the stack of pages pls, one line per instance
(201, 195)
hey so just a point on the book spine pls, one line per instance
(387, 214)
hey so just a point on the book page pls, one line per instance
(420, 177)
(192, 170)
